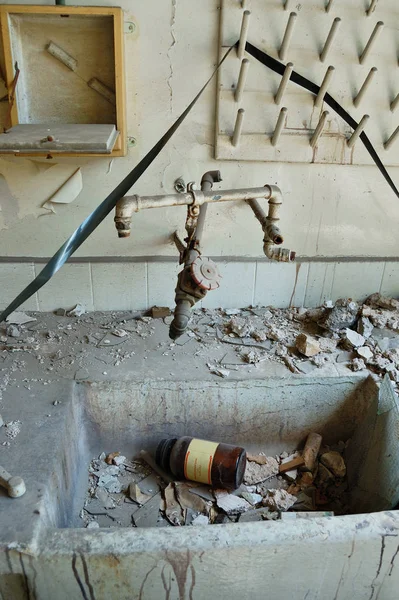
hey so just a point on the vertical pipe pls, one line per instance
(324, 85)
(371, 42)
(371, 8)
(244, 3)
(287, 4)
(391, 139)
(284, 82)
(329, 5)
(394, 103)
(289, 30)
(330, 38)
(365, 86)
(243, 34)
(356, 134)
(318, 131)
(238, 127)
(279, 125)
(241, 80)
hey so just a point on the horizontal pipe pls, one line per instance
(330, 38)
(356, 134)
(242, 78)
(373, 38)
(324, 86)
(284, 82)
(279, 126)
(243, 34)
(365, 86)
(289, 30)
(391, 139)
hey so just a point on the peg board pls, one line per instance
(267, 25)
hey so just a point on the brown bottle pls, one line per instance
(218, 465)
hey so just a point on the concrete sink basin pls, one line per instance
(45, 553)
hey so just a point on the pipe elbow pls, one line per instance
(278, 254)
(125, 207)
(181, 319)
(211, 177)
(276, 196)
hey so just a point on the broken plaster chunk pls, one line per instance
(137, 495)
(252, 356)
(12, 429)
(119, 333)
(342, 315)
(19, 318)
(252, 497)
(200, 520)
(187, 499)
(334, 462)
(365, 327)
(219, 371)
(307, 345)
(93, 525)
(279, 500)
(352, 339)
(77, 311)
(380, 301)
(327, 344)
(160, 312)
(358, 364)
(173, 510)
(365, 353)
(255, 473)
(230, 503)
(311, 450)
(13, 331)
(239, 327)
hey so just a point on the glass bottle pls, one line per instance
(216, 464)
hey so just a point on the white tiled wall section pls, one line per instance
(140, 285)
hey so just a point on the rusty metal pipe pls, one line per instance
(126, 206)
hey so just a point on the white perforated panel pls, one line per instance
(267, 25)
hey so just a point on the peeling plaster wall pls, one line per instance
(339, 219)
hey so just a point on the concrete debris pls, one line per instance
(119, 333)
(148, 514)
(365, 327)
(219, 371)
(19, 318)
(311, 450)
(187, 499)
(352, 339)
(160, 312)
(334, 462)
(279, 500)
(365, 353)
(173, 510)
(327, 344)
(77, 311)
(307, 345)
(13, 428)
(137, 495)
(379, 301)
(255, 473)
(230, 503)
(258, 514)
(324, 475)
(13, 331)
(252, 497)
(200, 520)
(260, 459)
(276, 334)
(109, 459)
(358, 364)
(252, 356)
(239, 327)
(315, 514)
(93, 525)
(342, 315)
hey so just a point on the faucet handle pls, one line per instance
(205, 273)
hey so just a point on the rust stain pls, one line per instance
(297, 267)
(180, 565)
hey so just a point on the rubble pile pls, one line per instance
(128, 493)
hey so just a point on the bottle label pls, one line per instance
(199, 459)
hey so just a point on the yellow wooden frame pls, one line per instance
(120, 148)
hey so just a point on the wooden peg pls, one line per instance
(329, 5)
(391, 139)
(372, 39)
(243, 34)
(241, 79)
(330, 38)
(365, 86)
(279, 125)
(371, 8)
(289, 30)
(238, 127)
(324, 86)
(284, 82)
(319, 129)
(356, 134)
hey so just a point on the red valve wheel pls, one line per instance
(205, 273)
